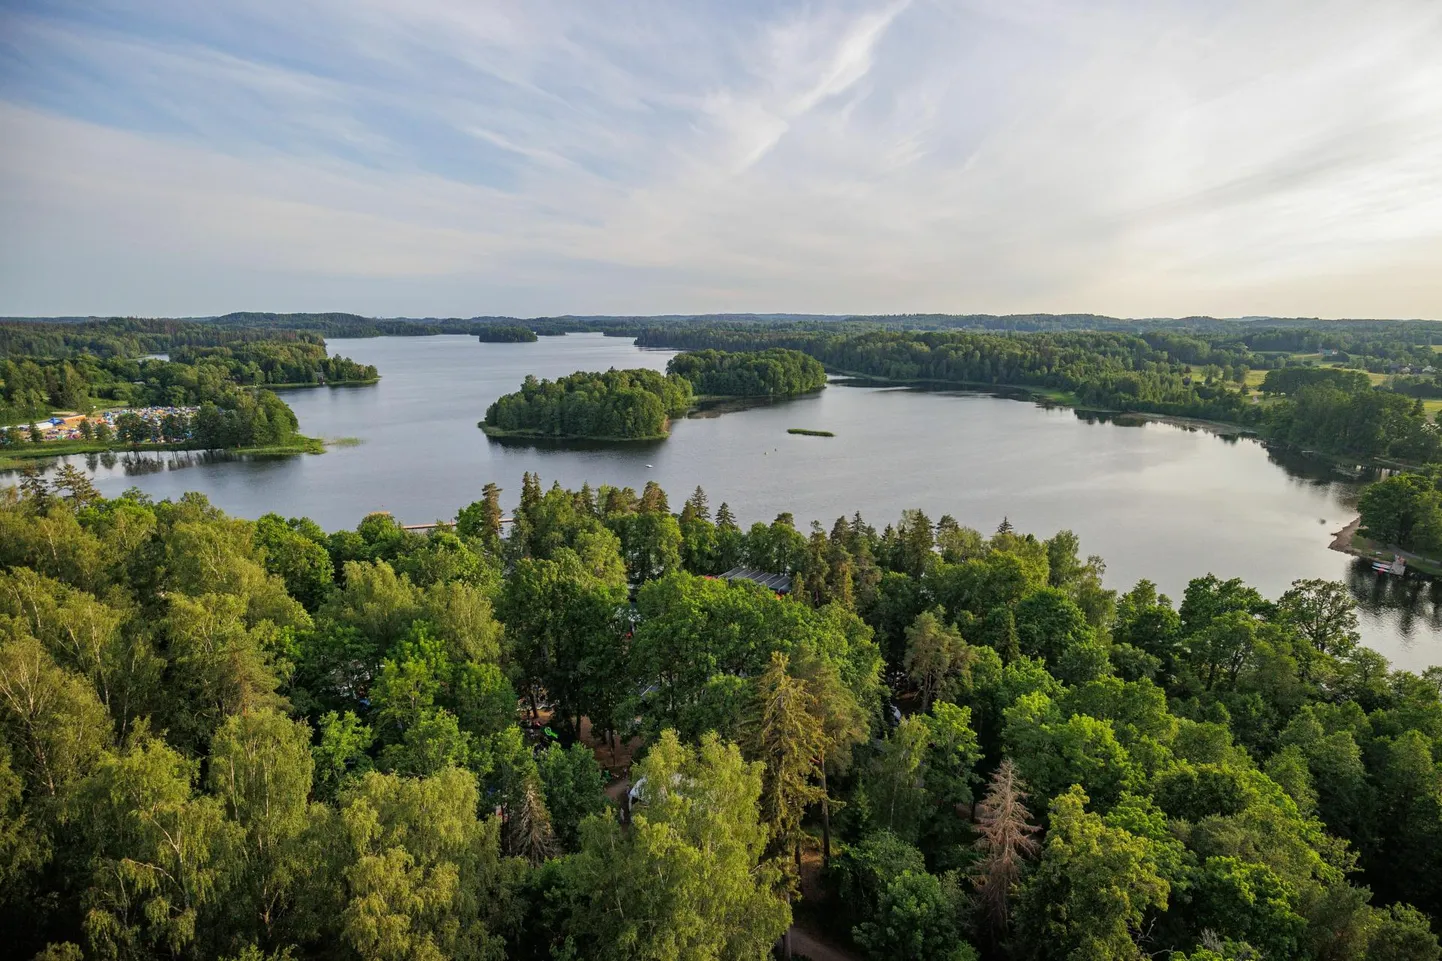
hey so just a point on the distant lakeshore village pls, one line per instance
(154, 422)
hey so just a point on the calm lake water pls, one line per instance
(1155, 500)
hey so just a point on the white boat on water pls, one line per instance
(1397, 566)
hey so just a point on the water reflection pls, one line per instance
(561, 444)
(143, 463)
(1415, 602)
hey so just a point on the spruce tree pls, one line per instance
(785, 734)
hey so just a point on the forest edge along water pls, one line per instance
(1160, 500)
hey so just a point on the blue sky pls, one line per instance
(459, 157)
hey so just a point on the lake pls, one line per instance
(1155, 500)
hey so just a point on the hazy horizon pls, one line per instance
(451, 159)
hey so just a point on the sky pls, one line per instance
(464, 157)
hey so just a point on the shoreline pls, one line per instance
(1348, 541)
(499, 433)
(17, 458)
(301, 386)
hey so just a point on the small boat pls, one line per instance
(648, 466)
(1398, 566)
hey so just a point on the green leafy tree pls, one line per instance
(933, 653)
(1403, 934)
(574, 789)
(165, 859)
(894, 782)
(688, 879)
(423, 876)
(916, 921)
(1323, 612)
(261, 769)
(51, 717)
(1092, 888)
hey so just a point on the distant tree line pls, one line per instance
(506, 334)
(773, 372)
(1318, 408)
(126, 337)
(278, 362)
(624, 404)
(1105, 370)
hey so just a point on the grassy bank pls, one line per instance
(1050, 395)
(13, 458)
(809, 433)
(500, 434)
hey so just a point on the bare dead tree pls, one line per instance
(1006, 841)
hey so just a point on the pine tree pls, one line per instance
(933, 652)
(79, 490)
(724, 517)
(696, 508)
(1005, 526)
(1010, 648)
(586, 501)
(1004, 824)
(530, 491)
(34, 488)
(491, 513)
(653, 500)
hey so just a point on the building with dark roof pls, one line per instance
(780, 583)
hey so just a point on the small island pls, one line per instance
(506, 334)
(776, 372)
(804, 432)
(614, 405)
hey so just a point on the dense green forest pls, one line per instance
(277, 363)
(234, 739)
(507, 334)
(126, 338)
(203, 396)
(1325, 409)
(218, 382)
(616, 404)
(776, 372)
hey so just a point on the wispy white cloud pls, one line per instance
(448, 157)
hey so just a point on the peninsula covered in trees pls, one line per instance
(296, 363)
(775, 372)
(614, 405)
(210, 393)
(1326, 409)
(256, 739)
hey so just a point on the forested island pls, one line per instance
(775, 372)
(506, 334)
(613, 405)
(259, 740)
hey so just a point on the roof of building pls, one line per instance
(779, 583)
